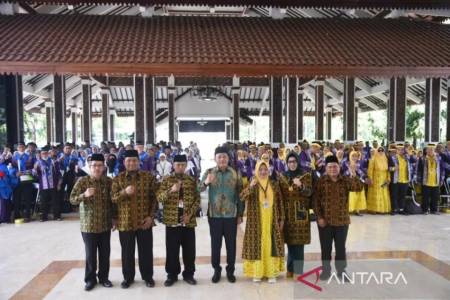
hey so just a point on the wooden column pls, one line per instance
(329, 122)
(276, 110)
(59, 96)
(319, 120)
(171, 112)
(432, 109)
(112, 116)
(87, 109)
(236, 95)
(49, 120)
(139, 113)
(105, 114)
(448, 109)
(228, 131)
(12, 96)
(300, 114)
(356, 119)
(73, 116)
(349, 109)
(292, 99)
(396, 110)
(150, 110)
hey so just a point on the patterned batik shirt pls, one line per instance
(97, 211)
(133, 209)
(188, 195)
(331, 198)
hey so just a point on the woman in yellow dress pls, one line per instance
(356, 200)
(378, 200)
(263, 250)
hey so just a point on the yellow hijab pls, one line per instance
(282, 154)
(264, 187)
(380, 160)
(265, 158)
(353, 153)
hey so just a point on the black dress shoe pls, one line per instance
(106, 283)
(231, 278)
(190, 280)
(126, 283)
(216, 276)
(150, 283)
(325, 276)
(89, 285)
(170, 281)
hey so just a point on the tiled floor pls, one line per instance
(40, 260)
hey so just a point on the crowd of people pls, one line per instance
(279, 190)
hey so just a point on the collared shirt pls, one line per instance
(402, 169)
(133, 209)
(432, 174)
(331, 198)
(223, 193)
(188, 195)
(97, 211)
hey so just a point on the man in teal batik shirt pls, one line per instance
(225, 211)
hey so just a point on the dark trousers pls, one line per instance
(144, 240)
(94, 242)
(23, 196)
(327, 235)
(398, 194)
(430, 198)
(295, 258)
(176, 237)
(47, 197)
(227, 228)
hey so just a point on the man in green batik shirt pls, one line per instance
(93, 194)
(225, 211)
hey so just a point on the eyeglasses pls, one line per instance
(292, 161)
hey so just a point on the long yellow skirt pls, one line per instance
(268, 266)
(378, 199)
(357, 201)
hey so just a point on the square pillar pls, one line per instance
(292, 99)
(349, 109)
(86, 110)
(276, 110)
(396, 110)
(150, 110)
(300, 113)
(432, 109)
(49, 120)
(319, 111)
(12, 96)
(112, 116)
(74, 113)
(59, 96)
(139, 112)
(105, 113)
(236, 95)
(171, 111)
(329, 122)
(448, 109)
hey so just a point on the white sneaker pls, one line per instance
(256, 279)
(272, 280)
